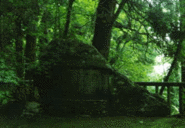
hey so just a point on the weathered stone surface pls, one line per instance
(74, 77)
(72, 69)
(136, 101)
(75, 54)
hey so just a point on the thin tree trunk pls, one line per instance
(30, 50)
(30, 54)
(68, 18)
(179, 45)
(19, 49)
(174, 63)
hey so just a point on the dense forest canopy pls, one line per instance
(130, 34)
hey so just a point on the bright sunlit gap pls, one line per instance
(160, 68)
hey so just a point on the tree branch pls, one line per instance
(123, 2)
(174, 63)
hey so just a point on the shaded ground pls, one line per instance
(88, 122)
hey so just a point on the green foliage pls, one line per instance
(142, 31)
(136, 64)
(7, 74)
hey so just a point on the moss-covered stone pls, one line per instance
(72, 74)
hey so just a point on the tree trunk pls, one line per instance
(30, 54)
(104, 23)
(19, 49)
(30, 50)
(68, 18)
(103, 26)
(173, 65)
(179, 45)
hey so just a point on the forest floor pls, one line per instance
(89, 122)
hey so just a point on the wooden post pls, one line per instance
(180, 100)
(169, 96)
(182, 88)
(156, 89)
(145, 86)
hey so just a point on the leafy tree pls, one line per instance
(129, 33)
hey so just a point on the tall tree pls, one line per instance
(104, 23)
(30, 49)
(19, 42)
